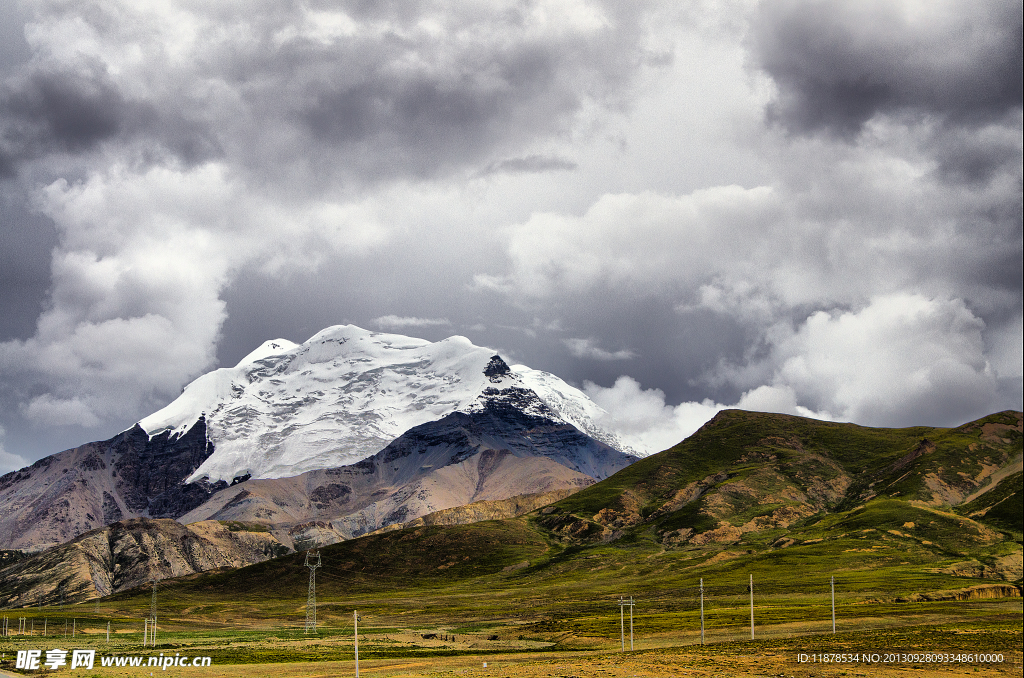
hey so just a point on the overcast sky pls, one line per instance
(805, 206)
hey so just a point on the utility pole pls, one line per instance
(631, 624)
(751, 607)
(152, 617)
(833, 606)
(622, 624)
(355, 622)
(622, 621)
(702, 610)
(312, 562)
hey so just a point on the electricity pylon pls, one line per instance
(312, 562)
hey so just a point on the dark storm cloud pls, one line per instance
(26, 240)
(56, 109)
(313, 118)
(966, 157)
(838, 63)
(70, 110)
(426, 90)
(332, 91)
(218, 174)
(306, 95)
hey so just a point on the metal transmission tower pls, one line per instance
(312, 562)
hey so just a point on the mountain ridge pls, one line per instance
(344, 394)
(495, 453)
(770, 472)
(132, 553)
(289, 409)
(749, 490)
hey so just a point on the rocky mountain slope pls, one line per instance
(64, 495)
(288, 420)
(508, 448)
(895, 513)
(128, 554)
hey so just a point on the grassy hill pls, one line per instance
(916, 526)
(748, 492)
(744, 465)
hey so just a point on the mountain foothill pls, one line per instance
(353, 436)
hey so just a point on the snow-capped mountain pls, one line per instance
(346, 393)
(361, 428)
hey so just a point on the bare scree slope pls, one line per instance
(343, 434)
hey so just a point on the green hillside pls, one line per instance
(914, 526)
(766, 473)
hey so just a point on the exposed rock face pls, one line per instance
(150, 471)
(129, 554)
(505, 449)
(66, 494)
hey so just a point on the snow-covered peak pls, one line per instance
(343, 395)
(268, 348)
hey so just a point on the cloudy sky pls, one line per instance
(806, 206)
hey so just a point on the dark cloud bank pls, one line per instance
(185, 181)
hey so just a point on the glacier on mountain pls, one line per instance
(345, 394)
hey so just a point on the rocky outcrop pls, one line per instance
(131, 475)
(982, 592)
(132, 553)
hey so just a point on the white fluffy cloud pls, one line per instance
(135, 307)
(588, 348)
(698, 188)
(174, 144)
(643, 419)
(903, 357)
(635, 240)
(861, 285)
